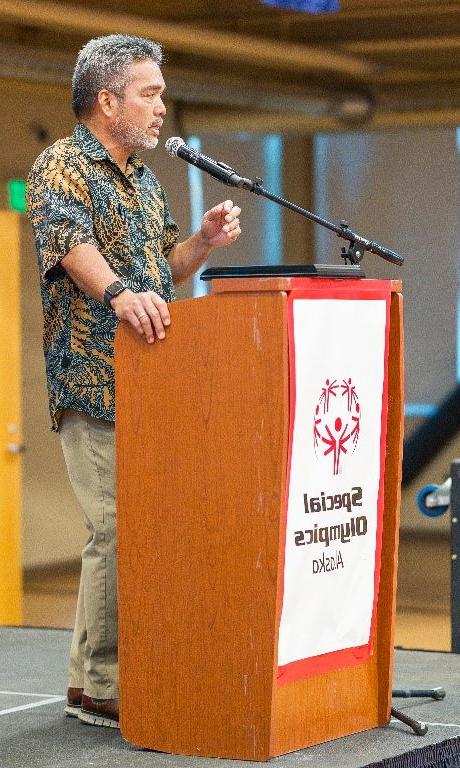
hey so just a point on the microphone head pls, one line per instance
(173, 144)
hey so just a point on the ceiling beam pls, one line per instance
(230, 121)
(395, 77)
(349, 12)
(22, 63)
(208, 118)
(405, 45)
(193, 40)
(351, 9)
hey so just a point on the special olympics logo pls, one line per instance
(337, 421)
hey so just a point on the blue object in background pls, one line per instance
(308, 6)
(273, 216)
(196, 190)
(421, 502)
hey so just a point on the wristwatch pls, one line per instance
(112, 290)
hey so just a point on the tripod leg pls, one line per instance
(429, 693)
(418, 727)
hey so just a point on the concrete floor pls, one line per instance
(35, 733)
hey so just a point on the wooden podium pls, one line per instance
(202, 445)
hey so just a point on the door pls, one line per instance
(10, 421)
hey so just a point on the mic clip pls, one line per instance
(353, 254)
(255, 185)
(355, 251)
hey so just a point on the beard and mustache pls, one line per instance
(129, 135)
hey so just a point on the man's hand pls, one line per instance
(220, 225)
(147, 313)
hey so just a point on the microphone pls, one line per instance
(176, 147)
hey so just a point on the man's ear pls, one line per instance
(107, 102)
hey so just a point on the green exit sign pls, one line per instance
(17, 195)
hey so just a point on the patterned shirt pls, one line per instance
(78, 194)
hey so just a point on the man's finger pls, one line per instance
(157, 322)
(234, 234)
(161, 306)
(140, 322)
(218, 210)
(231, 226)
(145, 323)
(233, 214)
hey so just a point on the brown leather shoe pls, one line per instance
(99, 711)
(73, 706)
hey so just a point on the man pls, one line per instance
(108, 250)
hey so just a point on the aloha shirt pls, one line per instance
(77, 194)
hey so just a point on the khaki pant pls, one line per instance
(88, 445)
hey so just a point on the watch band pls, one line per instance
(112, 290)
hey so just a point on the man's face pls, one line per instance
(138, 114)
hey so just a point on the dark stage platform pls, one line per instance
(35, 733)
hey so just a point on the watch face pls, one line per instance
(115, 288)
(112, 290)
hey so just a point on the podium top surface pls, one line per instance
(284, 270)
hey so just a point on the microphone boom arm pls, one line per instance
(358, 244)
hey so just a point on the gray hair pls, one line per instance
(103, 63)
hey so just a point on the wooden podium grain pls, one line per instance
(202, 431)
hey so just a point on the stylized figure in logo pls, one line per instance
(316, 427)
(349, 390)
(336, 423)
(328, 391)
(337, 442)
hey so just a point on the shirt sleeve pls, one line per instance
(170, 229)
(60, 210)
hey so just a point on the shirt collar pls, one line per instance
(136, 162)
(93, 148)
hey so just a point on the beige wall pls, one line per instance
(52, 525)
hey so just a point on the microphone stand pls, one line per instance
(357, 243)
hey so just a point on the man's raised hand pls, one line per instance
(221, 225)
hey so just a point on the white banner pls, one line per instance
(335, 468)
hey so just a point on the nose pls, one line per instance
(160, 108)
